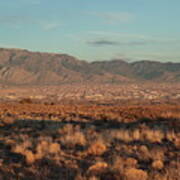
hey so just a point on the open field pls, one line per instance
(89, 142)
(135, 93)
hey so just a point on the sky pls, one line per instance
(94, 29)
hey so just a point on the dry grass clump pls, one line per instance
(135, 174)
(71, 136)
(72, 139)
(45, 148)
(30, 157)
(97, 148)
(6, 120)
(155, 175)
(118, 164)
(42, 149)
(152, 136)
(158, 164)
(54, 148)
(121, 164)
(21, 148)
(157, 154)
(150, 154)
(144, 152)
(123, 135)
(98, 167)
(174, 138)
(130, 162)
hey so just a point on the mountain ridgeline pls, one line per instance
(22, 67)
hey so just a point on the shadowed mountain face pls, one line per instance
(25, 67)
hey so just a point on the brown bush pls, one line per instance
(72, 139)
(54, 148)
(45, 148)
(97, 167)
(135, 174)
(97, 148)
(8, 120)
(30, 157)
(157, 164)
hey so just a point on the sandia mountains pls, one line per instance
(22, 67)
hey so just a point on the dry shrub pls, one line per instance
(155, 175)
(71, 136)
(8, 120)
(72, 139)
(136, 135)
(144, 152)
(173, 170)
(174, 138)
(66, 129)
(30, 157)
(123, 135)
(158, 164)
(171, 136)
(157, 154)
(131, 162)
(44, 148)
(153, 135)
(144, 134)
(93, 178)
(98, 167)
(135, 174)
(120, 163)
(21, 148)
(54, 148)
(177, 141)
(97, 148)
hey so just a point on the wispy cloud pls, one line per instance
(115, 17)
(105, 42)
(116, 34)
(50, 26)
(103, 38)
(18, 21)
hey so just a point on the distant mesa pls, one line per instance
(22, 67)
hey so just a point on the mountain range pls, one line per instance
(22, 67)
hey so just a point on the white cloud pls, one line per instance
(50, 26)
(115, 17)
(20, 21)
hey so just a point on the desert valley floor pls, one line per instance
(89, 141)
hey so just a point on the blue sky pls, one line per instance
(94, 29)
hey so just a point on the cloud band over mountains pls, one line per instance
(104, 42)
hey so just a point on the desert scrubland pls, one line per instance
(89, 142)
